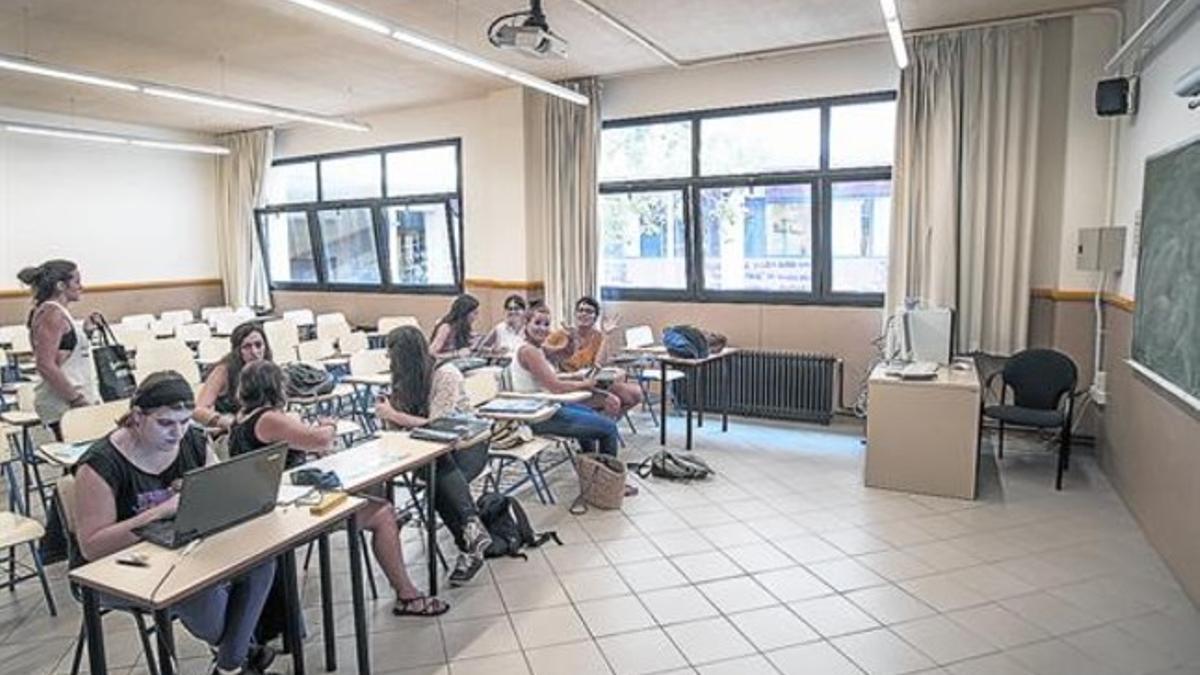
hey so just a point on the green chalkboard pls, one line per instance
(1166, 327)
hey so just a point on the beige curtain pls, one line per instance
(570, 247)
(965, 180)
(241, 188)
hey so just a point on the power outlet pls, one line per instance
(1098, 390)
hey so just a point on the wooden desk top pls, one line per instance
(216, 558)
(20, 418)
(659, 353)
(63, 454)
(382, 458)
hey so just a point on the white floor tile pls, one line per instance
(676, 605)
(889, 604)
(647, 651)
(614, 615)
(942, 640)
(551, 626)
(736, 595)
(846, 575)
(701, 567)
(578, 658)
(773, 628)
(998, 626)
(591, 584)
(792, 584)
(880, 652)
(811, 659)
(709, 640)
(650, 575)
(833, 615)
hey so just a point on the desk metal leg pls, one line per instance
(163, 631)
(662, 395)
(327, 629)
(293, 630)
(361, 636)
(431, 527)
(93, 631)
(701, 375)
(691, 403)
(725, 393)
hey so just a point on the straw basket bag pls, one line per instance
(601, 482)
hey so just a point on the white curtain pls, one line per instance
(965, 181)
(570, 248)
(241, 188)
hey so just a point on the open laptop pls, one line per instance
(219, 496)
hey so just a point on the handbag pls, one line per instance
(114, 375)
(601, 482)
(508, 434)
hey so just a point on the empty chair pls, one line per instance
(132, 336)
(177, 317)
(207, 313)
(225, 323)
(192, 332)
(92, 421)
(387, 324)
(637, 337)
(19, 531)
(172, 354)
(482, 385)
(284, 337)
(211, 349)
(332, 326)
(315, 350)
(352, 343)
(16, 336)
(162, 329)
(369, 362)
(143, 321)
(1043, 386)
(245, 313)
(300, 317)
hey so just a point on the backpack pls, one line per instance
(685, 342)
(306, 381)
(673, 466)
(509, 527)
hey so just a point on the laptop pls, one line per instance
(451, 428)
(219, 496)
(513, 406)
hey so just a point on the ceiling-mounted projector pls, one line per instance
(528, 33)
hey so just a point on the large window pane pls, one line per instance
(762, 142)
(348, 237)
(292, 183)
(419, 243)
(642, 241)
(863, 134)
(646, 151)
(757, 238)
(422, 172)
(861, 217)
(351, 177)
(288, 247)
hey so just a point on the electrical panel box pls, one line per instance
(1100, 249)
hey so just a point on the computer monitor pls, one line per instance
(925, 334)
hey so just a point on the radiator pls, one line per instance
(775, 385)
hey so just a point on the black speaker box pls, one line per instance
(1116, 96)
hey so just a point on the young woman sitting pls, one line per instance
(130, 478)
(531, 372)
(217, 404)
(423, 391)
(452, 334)
(262, 421)
(589, 344)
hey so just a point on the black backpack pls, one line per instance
(509, 527)
(305, 381)
(685, 342)
(673, 466)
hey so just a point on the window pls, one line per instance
(787, 203)
(385, 219)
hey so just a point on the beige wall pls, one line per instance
(117, 301)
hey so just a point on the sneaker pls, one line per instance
(261, 657)
(465, 569)
(476, 537)
(244, 670)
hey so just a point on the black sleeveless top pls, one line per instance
(134, 490)
(243, 439)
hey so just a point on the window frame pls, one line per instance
(820, 179)
(452, 201)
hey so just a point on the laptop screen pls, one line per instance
(220, 495)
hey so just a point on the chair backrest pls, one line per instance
(482, 385)
(207, 313)
(315, 350)
(131, 335)
(67, 501)
(162, 328)
(1040, 377)
(282, 335)
(172, 354)
(387, 324)
(300, 317)
(245, 313)
(369, 362)
(192, 332)
(143, 321)
(332, 317)
(17, 335)
(352, 342)
(177, 317)
(332, 326)
(212, 348)
(26, 393)
(92, 421)
(638, 336)
(223, 324)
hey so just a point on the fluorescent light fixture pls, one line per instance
(116, 139)
(177, 93)
(33, 68)
(442, 49)
(891, 17)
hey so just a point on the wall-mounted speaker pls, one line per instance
(1116, 96)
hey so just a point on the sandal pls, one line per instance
(422, 605)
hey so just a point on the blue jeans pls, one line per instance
(577, 421)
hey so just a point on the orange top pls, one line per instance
(586, 350)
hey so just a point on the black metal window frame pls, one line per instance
(451, 201)
(820, 180)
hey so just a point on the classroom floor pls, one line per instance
(782, 563)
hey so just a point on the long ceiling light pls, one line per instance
(440, 48)
(892, 18)
(31, 67)
(119, 139)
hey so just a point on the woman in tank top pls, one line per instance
(217, 403)
(452, 334)
(61, 351)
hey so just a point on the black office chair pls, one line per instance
(1040, 380)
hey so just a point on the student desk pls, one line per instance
(171, 576)
(695, 368)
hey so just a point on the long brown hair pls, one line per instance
(458, 320)
(233, 361)
(412, 370)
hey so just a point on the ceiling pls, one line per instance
(275, 52)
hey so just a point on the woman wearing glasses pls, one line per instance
(588, 341)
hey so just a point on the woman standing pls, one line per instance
(423, 391)
(61, 351)
(452, 334)
(217, 402)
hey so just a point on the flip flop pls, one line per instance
(422, 605)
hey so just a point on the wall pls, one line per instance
(100, 204)
(1148, 439)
